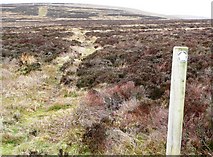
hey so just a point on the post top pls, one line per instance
(181, 48)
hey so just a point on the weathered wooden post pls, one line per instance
(176, 104)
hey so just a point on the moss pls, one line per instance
(56, 107)
(71, 94)
(31, 115)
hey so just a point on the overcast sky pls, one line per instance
(201, 8)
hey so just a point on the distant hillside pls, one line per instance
(78, 11)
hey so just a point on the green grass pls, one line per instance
(7, 149)
(11, 140)
(38, 117)
(71, 94)
(37, 144)
(56, 107)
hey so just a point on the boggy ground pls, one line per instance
(102, 86)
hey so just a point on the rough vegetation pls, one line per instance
(94, 86)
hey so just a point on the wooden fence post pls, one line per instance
(176, 104)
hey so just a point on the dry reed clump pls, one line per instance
(28, 62)
(26, 58)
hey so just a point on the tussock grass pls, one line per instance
(37, 111)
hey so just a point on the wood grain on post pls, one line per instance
(176, 104)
